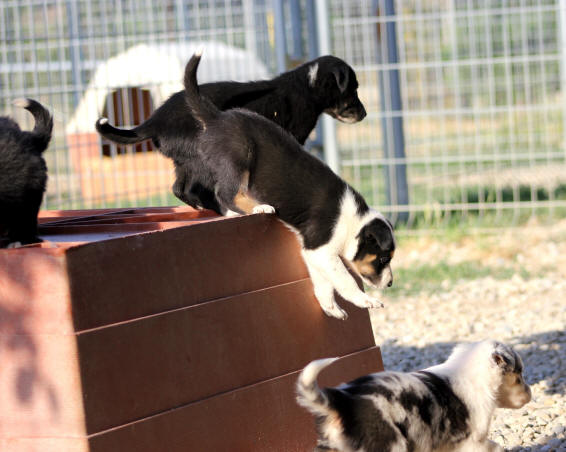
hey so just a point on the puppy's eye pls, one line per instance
(384, 260)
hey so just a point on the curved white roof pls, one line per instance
(159, 68)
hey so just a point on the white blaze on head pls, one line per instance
(312, 74)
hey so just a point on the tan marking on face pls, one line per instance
(513, 392)
(364, 266)
(392, 254)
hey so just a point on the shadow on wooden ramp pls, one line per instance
(164, 329)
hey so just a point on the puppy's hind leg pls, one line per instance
(205, 197)
(179, 186)
(227, 195)
(245, 201)
(324, 292)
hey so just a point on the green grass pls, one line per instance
(442, 276)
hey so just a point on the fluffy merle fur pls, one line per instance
(253, 165)
(23, 174)
(444, 408)
(294, 100)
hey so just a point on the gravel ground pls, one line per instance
(526, 310)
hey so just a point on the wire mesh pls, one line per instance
(480, 85)
(482, 106)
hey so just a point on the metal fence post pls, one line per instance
(312, 45)
(280, 41)
(328, 126)
(296, 29)
(397, 191)
(74, 48)
(181, 17)
(562, 22)
(250, 26)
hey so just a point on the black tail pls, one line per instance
(43, 120)
(122, 136)
(201, 108)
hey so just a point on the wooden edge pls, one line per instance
(259, 417)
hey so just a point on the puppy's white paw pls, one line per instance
(335, 311)
(374, 303)
(231, 213)
(363, 300)
(14, 245)
(263, 208)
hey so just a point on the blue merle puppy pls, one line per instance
(23, 174)
(444, 408)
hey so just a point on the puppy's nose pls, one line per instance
(390, 283)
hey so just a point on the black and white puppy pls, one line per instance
(294, 100)
(253, 165)
(444, 408)
(23, 173)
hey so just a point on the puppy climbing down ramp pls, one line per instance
(166, 330)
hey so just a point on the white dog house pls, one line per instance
(126, 89)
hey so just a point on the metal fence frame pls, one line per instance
(465, 99)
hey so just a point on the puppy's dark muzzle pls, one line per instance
(361, 112)
(354, 113)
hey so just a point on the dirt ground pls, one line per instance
(508, 285)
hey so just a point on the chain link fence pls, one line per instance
(464, 97)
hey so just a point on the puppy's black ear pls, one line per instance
(501, 360)
(376, 233)
(498, 359)
(342, 77)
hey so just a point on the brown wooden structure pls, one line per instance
(164, 330)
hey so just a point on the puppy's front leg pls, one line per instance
(324, 292)
(332, 268)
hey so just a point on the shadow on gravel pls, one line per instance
(406, 358)
(544, 356)
(553, 445)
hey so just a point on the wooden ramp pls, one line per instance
(164, 330)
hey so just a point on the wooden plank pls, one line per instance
(261, 417)
(40, 386)
(118, 280)
(139, 368)
(38, 444)
(34, 292)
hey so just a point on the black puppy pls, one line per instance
(23, 173)
(294, 100)
(253, 165)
